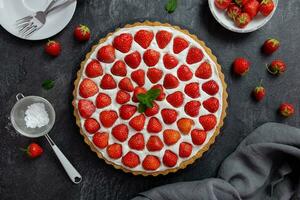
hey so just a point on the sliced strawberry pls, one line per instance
(91, 125)
(192, 108)
(162, 95)
(154, 74)
(210, 87)
(208, 122)
(170, 158)
(131, 160)
(175, 99)
(122, 97)
(106, 54)
(114, 151)
(184, 73)
(185, 149)
(194, 55)
(123, 42)
(138, 90)
(120, 132)
(171, 136)
(204, 71)
(94, 69)
(88, 88)
(126, 84)
(192, 90)
(185, 125)
(179, 45)
(154, 125)
(138, 122)
(119, 68)
(133, 59)
(152, 111)
(154, 143)
(100, 139)
(137, 142)
(86, 108)
(127, 111)
(170, 61)
(102, 100)
(170, 81)
(151, 163)
(144, 38)
(163, 38)
(198, 136)
(151, 57)
(211, 104)
(108, 118)
(169, 115)
(108, 82)
(138, 76)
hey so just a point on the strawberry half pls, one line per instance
(144, 38)
(179, 44)
(138, 90)
(108, 118)
(86, 108)
(192, 108)
(91, 125)
(154, 75)
(210, 87)
(94, 69)
(127, 111)
(211, 104)
(100, 140)
(194, 55)
(163, 38)
(198, 136)
(120, 132)
(138, 77)
(152, 111)
(123, 42)
(102, 100)
(88, 88)
(204, 71)
(126, 84)
(192, 90)
(169, 115)
(154, 125)
(151, 163)
(137, 142)
(170, 158)
(131, 160)
(133, 59)
(108, 82)
(175, 99)
(106, 54)
(185, 149)
(162, 95)
(151, 57)
(171, 136)
(208, 122)
(185, 125)
(184, 73)
(137, 122)
(154, 143)
(119, 68)
(114, 151)
(122, 97)
(170, 61)
(170, 81)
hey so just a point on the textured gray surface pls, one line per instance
(24, 66)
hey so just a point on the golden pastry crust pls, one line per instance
(184, 164)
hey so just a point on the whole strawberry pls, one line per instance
(270, 46)
(276, 67)
(241, 66)
(82, 33)
(33, 150)
(286, 109)
(259, 93)
(53, 48)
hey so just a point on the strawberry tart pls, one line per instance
(150, 98)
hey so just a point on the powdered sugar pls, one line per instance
(36, 116)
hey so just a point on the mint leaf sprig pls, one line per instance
(48, 84)
(146, 100)
(171, 6)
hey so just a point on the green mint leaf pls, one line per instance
(142, 98)
(153, 94)
(48, 84)
(171, 6)
(141, 108)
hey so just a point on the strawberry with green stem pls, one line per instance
(259, 92)
(33, 150)
(276, 67)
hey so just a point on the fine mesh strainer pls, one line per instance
(17, 116)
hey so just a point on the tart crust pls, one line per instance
(199, 154)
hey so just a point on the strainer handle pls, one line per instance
(69, 168)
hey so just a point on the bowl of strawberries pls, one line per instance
(243, 16)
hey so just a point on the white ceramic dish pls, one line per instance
(221, 16)
(11, 10)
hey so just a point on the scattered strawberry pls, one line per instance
(175, 99)
(211, 104)
(127, 111)
(241, 66)
(233, 11)
(136, 91)
(208, 122)
(86, 108)
(53, 48)
(170, 158)
(286, 109)
(133, 59)
(88, 88)
(119, 68)
(108, 118)
(122, 97)
(144, 38)
(102, 100)
(163, 38)
(162, 94)
(154, 143)
(131, 160)
(33, 150)
(242, 20)
(82, 33)
(222, 4)
(151, 163)
(194, 55)
(138, 122)
(137, 142)
(185, 125)
(151, 57)
(123, 42)
(184, 73)
(179, 45)
(192, 108)
(169, 115)
(94, 69)
(126, 84)
(210, 87)
(192, 90)
(266, 7)
(204, 71)
(198, 136)
(252, 8)
(259, 92)
(276, 67)
(91, 125)
(170, 81)
(185, 149)
(114, 151)
(100, 139)
(152, 111)
(170, 61)
(138, 76)
(120, 132)
(154, 74)
(108, 82)
(171, 136)
(270, 46)
(154, 125)
(106, 54)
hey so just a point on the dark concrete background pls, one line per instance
(24, 66)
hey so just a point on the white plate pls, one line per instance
(11, 10)
(221, 16)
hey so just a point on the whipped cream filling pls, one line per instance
(162, 104)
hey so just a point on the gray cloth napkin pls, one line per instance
(266, 165)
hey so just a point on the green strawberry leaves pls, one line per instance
(48, 84)
(171, 6)
(146, 100)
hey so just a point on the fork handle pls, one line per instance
(50, 5)
(64, 4)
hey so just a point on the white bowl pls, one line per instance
(221, 16)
